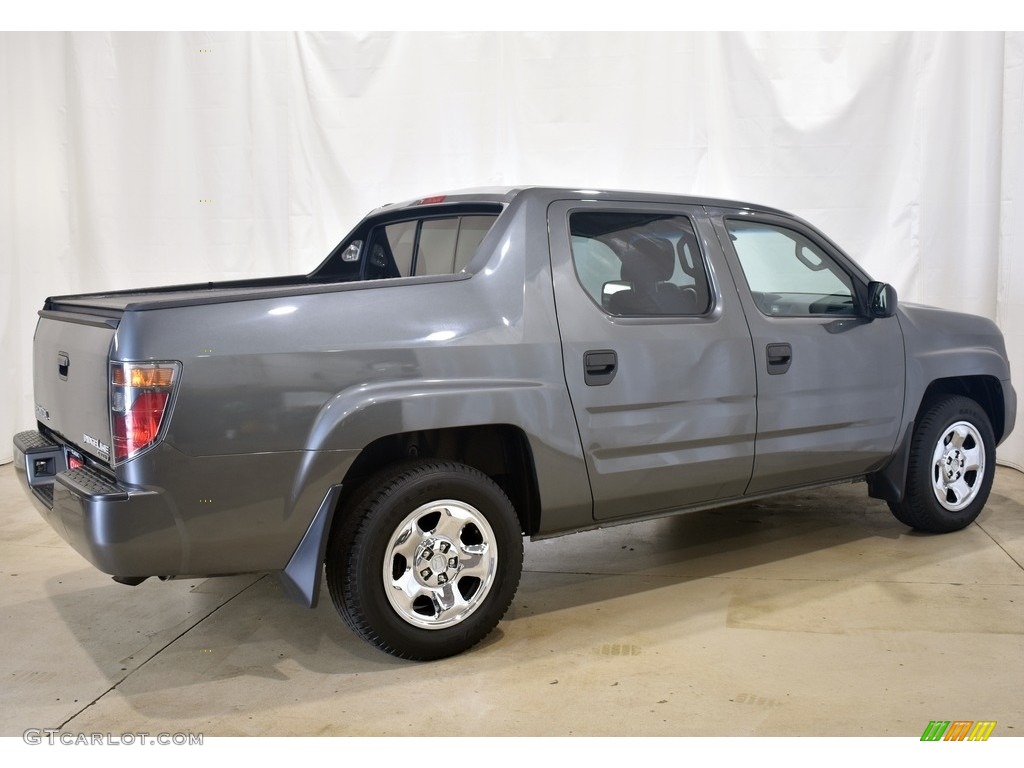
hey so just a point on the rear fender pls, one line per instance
(363, 415)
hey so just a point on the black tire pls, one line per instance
(428, 560)
(952, 464)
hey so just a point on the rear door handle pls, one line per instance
(779, 358)
(599, 367)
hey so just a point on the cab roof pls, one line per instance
(505, 195)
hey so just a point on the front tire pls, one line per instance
(428, 561)
(951, 468)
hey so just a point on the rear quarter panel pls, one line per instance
(279, 395)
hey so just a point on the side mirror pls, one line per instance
(881, 299)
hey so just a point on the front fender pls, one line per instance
(942, 344)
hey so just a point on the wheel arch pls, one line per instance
(500, 451)
(986, 391)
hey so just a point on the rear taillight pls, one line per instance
(139, 396)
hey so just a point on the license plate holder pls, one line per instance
(75, 459)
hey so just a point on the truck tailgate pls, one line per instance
(71, 373)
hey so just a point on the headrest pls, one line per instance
(648, 260)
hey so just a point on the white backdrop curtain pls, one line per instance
(137, 159)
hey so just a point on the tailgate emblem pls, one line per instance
(100, 446)
(63, 363)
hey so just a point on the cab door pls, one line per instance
(830, 379)
(657, 355)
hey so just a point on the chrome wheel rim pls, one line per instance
(958, 466)
(440, 564)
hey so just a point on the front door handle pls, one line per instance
(779, 358)
(599, 367)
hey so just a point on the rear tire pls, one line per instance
(428, 560)
(951, 468)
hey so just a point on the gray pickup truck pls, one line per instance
(466, 369)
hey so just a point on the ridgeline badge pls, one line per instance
(100, 446)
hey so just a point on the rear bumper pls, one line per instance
(124, 531)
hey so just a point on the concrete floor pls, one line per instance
(811, 614)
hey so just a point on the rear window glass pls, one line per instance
(439, 245)
(420, 240)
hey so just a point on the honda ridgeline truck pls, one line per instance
(466, 369)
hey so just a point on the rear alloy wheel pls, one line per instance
(440, 564)
(428, 561)
(952, 464)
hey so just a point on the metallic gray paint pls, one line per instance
(944, 344)
(283, 387)
(836, 410)
(679, 418)
(77, 403)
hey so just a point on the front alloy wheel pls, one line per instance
(958, 466)
(951, 466)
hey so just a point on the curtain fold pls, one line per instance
(133, 159)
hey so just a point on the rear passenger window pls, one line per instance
(440, 245)
(639, 264)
